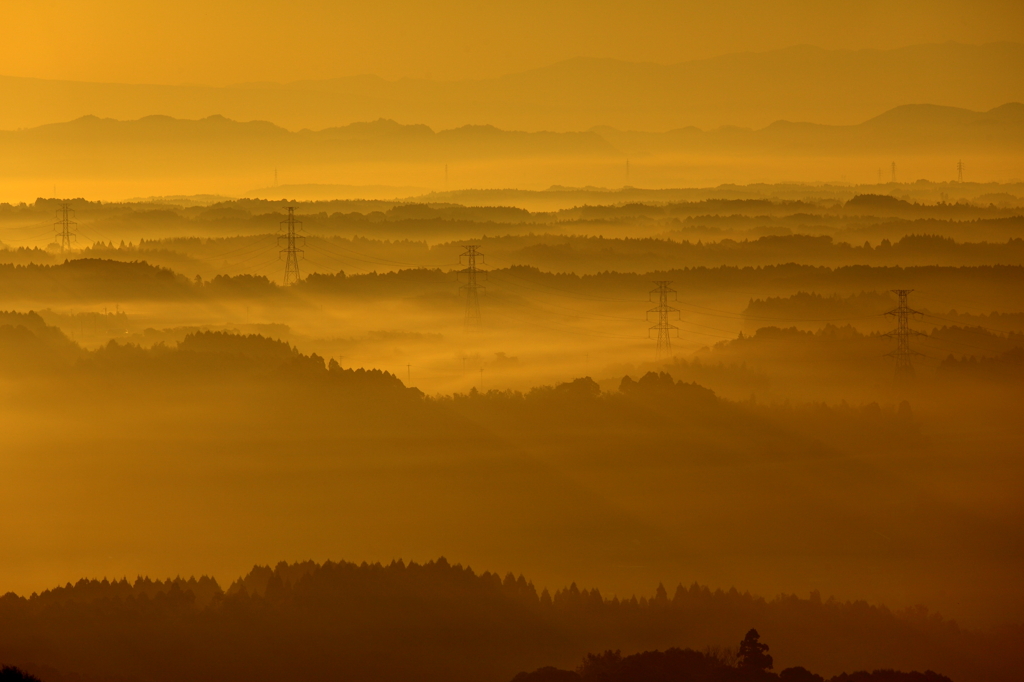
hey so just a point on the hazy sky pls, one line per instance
(226, 41)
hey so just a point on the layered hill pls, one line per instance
(161, 145)
(746, 89)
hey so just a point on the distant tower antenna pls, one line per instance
(894, 171)
(471, 287)
(902, 313)
(879, 176)
(291, 252)
(960, 171)
(664, 327)
(65, 227)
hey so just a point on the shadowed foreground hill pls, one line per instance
(12, 674)
(226, 447)
(712, 665)
(437, 621)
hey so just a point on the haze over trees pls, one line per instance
(696, 330)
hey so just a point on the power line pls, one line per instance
(663, 326)
(471, 287)
(335, 257)
(903, 354)
(599, 317)
(379, 260)
(248, 246)
(967, 327)
(65, 227)
(291, 252)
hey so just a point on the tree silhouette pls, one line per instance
(753, 654)
(12, 674)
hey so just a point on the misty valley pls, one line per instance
(191, 414)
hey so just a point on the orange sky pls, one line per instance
(230, 41)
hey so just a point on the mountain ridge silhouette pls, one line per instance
(749, 89)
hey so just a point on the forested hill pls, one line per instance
(562, 253)
(95, 280)
(336, 406)
(438, 621)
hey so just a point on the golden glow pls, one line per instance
(173, 403)
(235, 41)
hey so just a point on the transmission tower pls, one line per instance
(471, 287)
(291, 252)
(65, 226)
(902, 313)
(960, 171)
(664, 327)
(894, 171)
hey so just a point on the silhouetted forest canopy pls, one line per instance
(713, 664)
(654, 406)
(438, 621)
(91, 280)
(812, 308)
(13, 674)
(981, 213)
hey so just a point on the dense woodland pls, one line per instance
(752, 663)
(447, 622)
(93, 280)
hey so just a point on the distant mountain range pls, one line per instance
(91, 145)
(837, 87)
(908, 129)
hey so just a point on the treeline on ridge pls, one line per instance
(110, 280)
(753, 663)
(248, 372)
(438, 621)
(873, 216)
(579, 254)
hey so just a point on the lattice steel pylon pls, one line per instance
(960, 171)
(664, 327)
(902, 332)
(64, 227)
(291, 251)
(471, 287)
